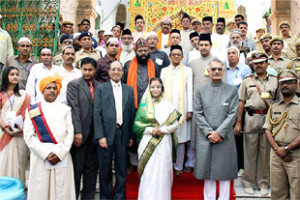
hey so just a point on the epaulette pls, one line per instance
(249, 76)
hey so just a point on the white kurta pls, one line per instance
(37, 73)
(46, 183)
(67, 77)
(185, 40)
(156, 181)
(184, 132)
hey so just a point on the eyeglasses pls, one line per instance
(176, 54)
(213, 69)
(85, 24)
(23, 45)
(45, 54)
(289, 82)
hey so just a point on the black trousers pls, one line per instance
(105, 157)
(85, 163)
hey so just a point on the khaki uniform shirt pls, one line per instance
(57, 59)
(292, 130)
(281, 63)
(83, 54)
(6, 46)
(249, 94)
(289, 46)
(259, 46)
(24, 68)
(297, 70)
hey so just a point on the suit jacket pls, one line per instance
(105, 113)
(80, 99)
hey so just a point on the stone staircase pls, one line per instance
(238, 186)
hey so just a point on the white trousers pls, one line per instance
(210, 190)
(191, 157)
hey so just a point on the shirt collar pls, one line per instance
(295, 100)
(30, 59)
(256, 77)
(114, 84)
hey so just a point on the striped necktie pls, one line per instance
(92, 90)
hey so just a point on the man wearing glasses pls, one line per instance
(85, 25)
(24, 61)
(178, 82)
(215, 113)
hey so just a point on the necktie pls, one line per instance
(118, 102)
(92, 90)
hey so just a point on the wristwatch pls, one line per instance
(287, 149)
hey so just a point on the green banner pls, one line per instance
(36, 19)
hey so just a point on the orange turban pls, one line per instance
(50, 79)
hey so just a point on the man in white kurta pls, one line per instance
(51, 173)
(37, 72)
(178, 82)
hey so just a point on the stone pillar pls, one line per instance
(76, 10)
(280, 11)
(295, 17)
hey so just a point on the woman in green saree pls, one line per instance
(155, 122)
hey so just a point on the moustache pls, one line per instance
(71, 59)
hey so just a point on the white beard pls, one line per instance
(127, 48)
(239, 45)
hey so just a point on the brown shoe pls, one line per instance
(188, 169)
(178, 172)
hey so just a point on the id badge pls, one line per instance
(11, 114)
(265, 95)
(159, 61)
(206, 72)
(237, 81)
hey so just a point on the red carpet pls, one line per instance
(185, 187)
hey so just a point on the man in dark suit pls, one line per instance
(80, 96)
(113, 118)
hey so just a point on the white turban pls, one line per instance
(152, 33)
(24, 39)
(46, 50)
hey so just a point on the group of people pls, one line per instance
(215, 104)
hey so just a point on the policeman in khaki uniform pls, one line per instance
(282, 128)
(279, 60)
(297, 64)
(288, 39)
(256, 93)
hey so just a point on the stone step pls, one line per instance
(241, 195)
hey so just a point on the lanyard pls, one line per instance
(11, 102)
(24, 67)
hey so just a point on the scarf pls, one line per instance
(132, 76)
(169, 86)
(159, 33)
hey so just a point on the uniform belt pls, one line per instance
(261, 112)
(118, 126)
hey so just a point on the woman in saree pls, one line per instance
(13, 102)
(156, 121)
